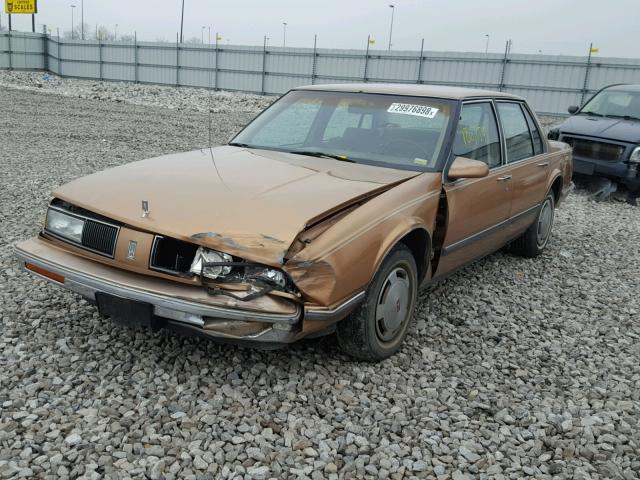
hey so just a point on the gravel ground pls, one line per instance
(513, 368)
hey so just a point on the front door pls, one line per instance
(477, 208)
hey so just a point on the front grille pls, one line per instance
(595, 150)
(172, 256)
(99, 237)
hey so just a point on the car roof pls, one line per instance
(625, 87)
(422, 90)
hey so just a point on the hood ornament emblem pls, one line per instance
(145, 208)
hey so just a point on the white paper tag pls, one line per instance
(410, 109)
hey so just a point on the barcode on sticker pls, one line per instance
(410, 109)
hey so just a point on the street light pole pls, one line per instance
(182, 22)
(115, 33)
(393, 9)
(72, 34)
(202, 35)
(486, 47)
(82, 19)
(284, 34)
(209, 40)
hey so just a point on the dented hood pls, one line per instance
(250, 203)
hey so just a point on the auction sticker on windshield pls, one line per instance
(410, 109)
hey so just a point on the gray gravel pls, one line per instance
(513, 368)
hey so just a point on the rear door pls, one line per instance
(527, 162)
(478, 208)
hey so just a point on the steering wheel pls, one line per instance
(385, 147)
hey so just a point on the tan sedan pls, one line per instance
(325, 214)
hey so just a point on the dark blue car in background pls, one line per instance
(605, 136)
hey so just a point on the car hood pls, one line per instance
(627, 131)
(249, 203)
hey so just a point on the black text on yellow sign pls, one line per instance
(21, 6)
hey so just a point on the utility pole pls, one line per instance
(182, 22)
(72, 34)
(393, 9)
(202, 35)
(486, 47)
(209, 37)
(284, 34)
(115, 33)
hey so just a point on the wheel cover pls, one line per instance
(545, 222)
(392, 307)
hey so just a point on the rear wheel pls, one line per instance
(532, 242)
(378, 326)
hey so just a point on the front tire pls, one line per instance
(376, 329)
(532, 242)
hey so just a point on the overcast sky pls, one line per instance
(550, 26)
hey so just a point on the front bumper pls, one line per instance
(618, 171)
(185, 308)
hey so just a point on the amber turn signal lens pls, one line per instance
(45, 273)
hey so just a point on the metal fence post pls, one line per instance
(135, 56)
(420, 62)
(10, 52)
(586, 75)
(100, 59)
(177, 60)
(45, 49)
(314, 62)
(215, 78)
(264, 64)
(505, 59)
(58, 52)
(366, 59)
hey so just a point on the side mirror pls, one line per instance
(467, 168)
(573, 109)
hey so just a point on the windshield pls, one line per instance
(387, 130)
(614, 103)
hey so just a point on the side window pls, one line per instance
(516, 132)
(477, 134)
(538, 147)
(290, 126)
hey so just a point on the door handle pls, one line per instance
(504, 179)
(543, 164)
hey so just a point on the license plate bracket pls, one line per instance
(126, 312)
(585, 168)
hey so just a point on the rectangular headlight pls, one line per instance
(65, 226)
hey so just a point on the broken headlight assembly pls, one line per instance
(216, 268)
(634, 162)
(208, 259)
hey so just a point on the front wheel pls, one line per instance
(376, 329)
(532, 242)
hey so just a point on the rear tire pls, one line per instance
(376, 329)
(532, 242)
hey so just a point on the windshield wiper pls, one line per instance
(342, 158)
(237, 144)
(593, 114)
(625, 117)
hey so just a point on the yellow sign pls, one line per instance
(595, 50)
(21, 6)
(372, 41)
